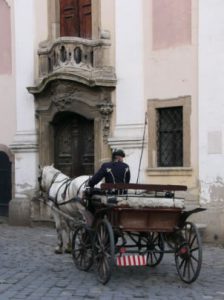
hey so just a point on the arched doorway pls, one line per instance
(5, 183)
(74, 144)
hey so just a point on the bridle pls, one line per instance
(52, 181)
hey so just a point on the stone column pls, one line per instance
(24, 145)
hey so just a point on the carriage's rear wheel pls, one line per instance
(154, 244)
(188, 255)
(82, 248)
(104, 249)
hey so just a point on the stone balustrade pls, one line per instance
(73, 53)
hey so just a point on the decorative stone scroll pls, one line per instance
(105, 109)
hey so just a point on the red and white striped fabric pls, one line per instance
(131, 260)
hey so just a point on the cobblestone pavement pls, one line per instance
(29, 269)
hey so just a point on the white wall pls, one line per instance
(25, 141)
(129, 62)
(24, 57)
(211, 100)
(129, 94)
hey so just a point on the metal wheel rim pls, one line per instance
(104, 251)
(189, 264)
(82, 248)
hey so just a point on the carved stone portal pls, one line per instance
(68, 97)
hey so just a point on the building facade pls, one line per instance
(79, 78)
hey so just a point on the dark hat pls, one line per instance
(118, 152)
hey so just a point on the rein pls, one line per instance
(81, 186)
(64, 182)
(53, 181)
(76, 198)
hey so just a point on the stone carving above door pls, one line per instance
(62, 104)
(105, 109)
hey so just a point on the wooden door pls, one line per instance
(76, 18)
(5, 183)
(74, 145)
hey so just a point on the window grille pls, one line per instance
(170, 137)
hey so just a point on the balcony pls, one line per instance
(81, 60)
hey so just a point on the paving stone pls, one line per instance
(30, 270)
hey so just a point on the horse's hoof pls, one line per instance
(58, 251)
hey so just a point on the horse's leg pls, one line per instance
(68, 231)
(58, 225)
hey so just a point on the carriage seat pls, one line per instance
(110, 195)
(146, 201)
(147, 195)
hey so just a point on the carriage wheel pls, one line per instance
(82, 248)
(155, 248)
(188, 256)
(104, 250)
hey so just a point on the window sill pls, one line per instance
(171, 171)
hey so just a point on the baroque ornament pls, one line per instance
(63, 103)
(106, 109)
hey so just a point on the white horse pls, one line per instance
(64, 194)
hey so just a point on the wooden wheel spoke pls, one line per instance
(155, 256)
(156, 238)
(194, 249)
(188, 269)
(190, 233)
(192, 266)
(194, 258)
(192, 242)
(185, 267)
(181, 264)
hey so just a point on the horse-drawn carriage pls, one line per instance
(138, 228)
(133, 224)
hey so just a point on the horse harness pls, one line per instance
(66, 182)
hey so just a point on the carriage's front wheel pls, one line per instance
(188, 255)
(104, 249)
(82, 248)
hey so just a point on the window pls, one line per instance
(170, 137)
(169, 144)
(76, 18)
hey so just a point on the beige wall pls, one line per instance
(41, 25)
(107, 15)
(7, 74)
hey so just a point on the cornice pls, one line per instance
(91, 78)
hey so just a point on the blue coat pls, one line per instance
(113, 172)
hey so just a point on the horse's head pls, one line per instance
(46, 176)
